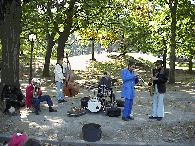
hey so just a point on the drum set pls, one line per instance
(101, 101)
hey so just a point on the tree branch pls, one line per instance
(170, 5)
(42, 45)
(77, 28)
(26, 29)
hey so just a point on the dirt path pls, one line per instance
(177, 126)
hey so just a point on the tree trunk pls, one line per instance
(164, 58)
(60, 49)
(173, 43)
(50, 45)
(190, 60)
(190, 64)
(165, 53)
(92, 46)
(10, 44)
(65, 34)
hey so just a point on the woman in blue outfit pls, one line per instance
(129, 80)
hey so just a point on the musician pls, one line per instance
(160, 77)
(60, 80)
(30, 98)
(66, 67)
(103, 81)
(129, 77)
(13, 96)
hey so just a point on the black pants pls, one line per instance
(14, 104)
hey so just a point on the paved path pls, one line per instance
(56, 122)
(59, 121)
(80, 62)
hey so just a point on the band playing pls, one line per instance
(64, 79)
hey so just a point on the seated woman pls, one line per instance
(36, 100)
(107, 81)
(13, 97)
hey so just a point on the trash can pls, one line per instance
(91, 132)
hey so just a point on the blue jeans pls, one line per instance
(127, 107)
(60, 95)
(36, 102)
(158, 106)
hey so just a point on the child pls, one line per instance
(18, 138)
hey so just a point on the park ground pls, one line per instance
(176, 127)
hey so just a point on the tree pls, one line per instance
(173, 9)
(186, 37)
(10, 38)
(10, 43)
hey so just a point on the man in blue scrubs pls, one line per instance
(129, 80)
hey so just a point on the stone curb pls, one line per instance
(97, 143)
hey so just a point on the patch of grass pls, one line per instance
(54, 58)
(181, 65)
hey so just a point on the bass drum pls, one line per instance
(94, 105)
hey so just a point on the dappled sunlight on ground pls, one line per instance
(33, 124)
(43, 88)
(56, 121)
(24, 113)
(167, 113)
(51, 125)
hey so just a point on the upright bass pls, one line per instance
(70, 89)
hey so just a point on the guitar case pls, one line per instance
(84, 101)
(113, 112)
(120, 103)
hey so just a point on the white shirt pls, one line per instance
(58, 73)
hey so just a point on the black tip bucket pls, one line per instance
(91, 132)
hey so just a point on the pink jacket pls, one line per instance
(29, 94)
(17, 140)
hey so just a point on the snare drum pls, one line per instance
(94, 105)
